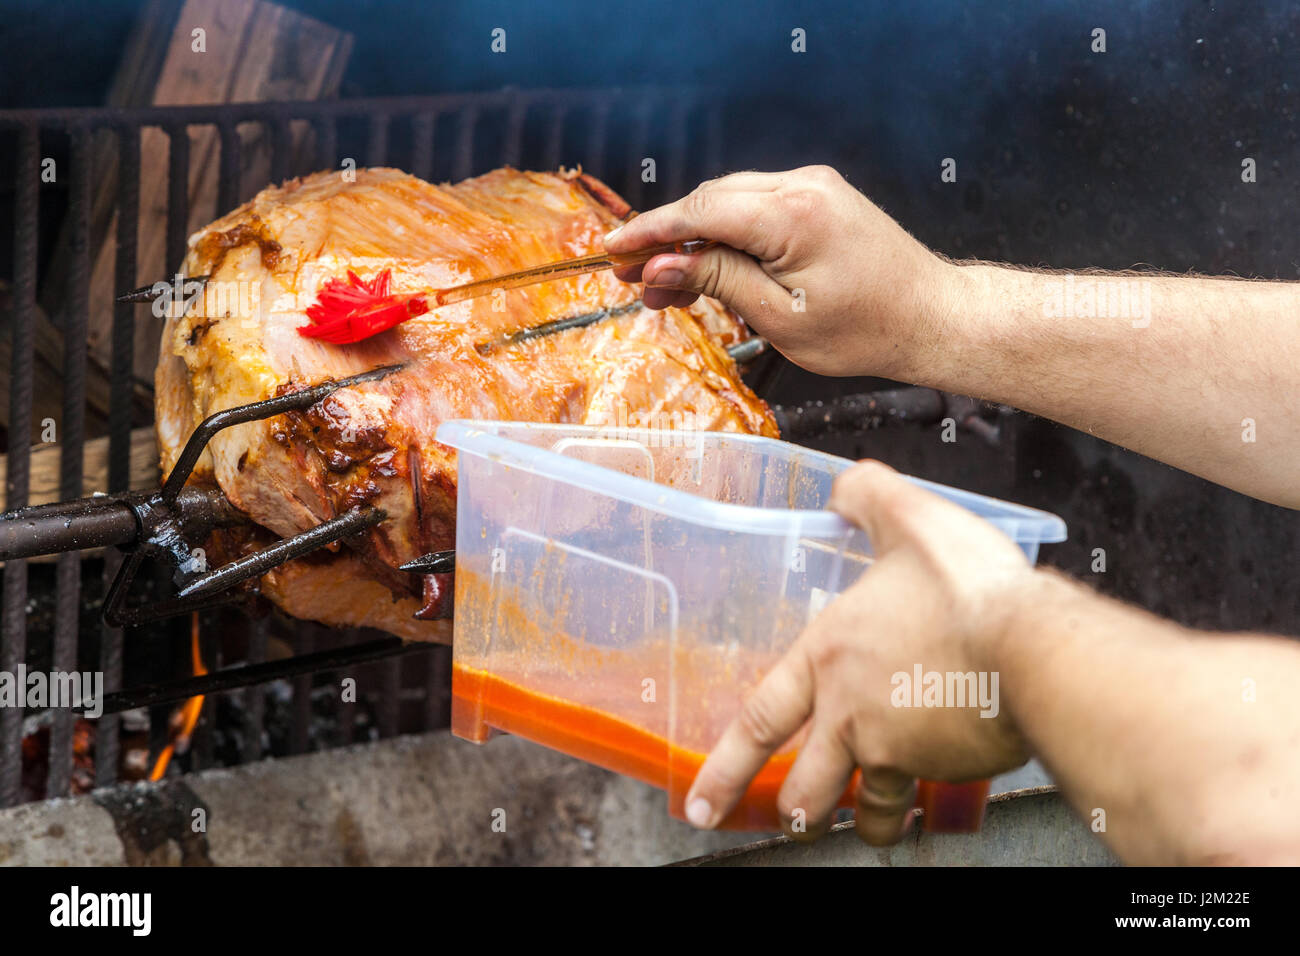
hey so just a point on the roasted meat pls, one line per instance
(268, 262)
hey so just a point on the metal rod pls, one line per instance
(436, 562)
(254, 700)
(299, 731)
(108, 735)
(108, 729)
(234, 677)
(291, 401)
(512, 146)
(345, 713)
(178, 195)
(67, 603)
(147, 293)
(422, 131)
(744, 352)
(388, 707)
(228, 179)
(281, 149)
(213, 114)
(863, 412)
(97, 522)
(377, 147)
(598, 134)
(552, 153)
(464, 163)
(677, 145)
(122, 378)
(559, 325)
(437, 700)
(327, 149)
(13, 643)
(66, 526)
(351, 522)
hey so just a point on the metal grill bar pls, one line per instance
(465, 143)
(305, 644)
(254, 701)
(215, 114)
(640, 145)
(513, 149)
(281, 150)
(18, 476)
(178, 195)
(107, 738)
(390, 697)
(677, 148)
(327, 147)
(71, 437)
(551, 155)
(123, 355)
(598, 134)
(228, 181)
(510, 119)
(300, 667)
(422, 132)
(377, 151)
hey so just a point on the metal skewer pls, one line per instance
(147, 293)
(436, 562)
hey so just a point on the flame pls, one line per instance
(184, 720)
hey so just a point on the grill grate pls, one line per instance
(442, 137)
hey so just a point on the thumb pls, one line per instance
(882, 503)
(883, 802)
(723, 273)
(893, 511)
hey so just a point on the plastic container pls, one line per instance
(619, 590)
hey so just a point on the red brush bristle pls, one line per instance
(347, 312)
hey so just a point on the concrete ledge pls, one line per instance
(1032, 827)
(416, 800)
(436, 800)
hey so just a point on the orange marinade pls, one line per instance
(609, 742)
(597, 737)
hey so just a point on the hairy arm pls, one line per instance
(1188, 742)
(1200, 373)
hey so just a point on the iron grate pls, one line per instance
(449, 137)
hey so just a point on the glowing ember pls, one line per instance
(183, 720)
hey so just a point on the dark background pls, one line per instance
(1065, 158)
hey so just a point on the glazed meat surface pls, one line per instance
(374, 443)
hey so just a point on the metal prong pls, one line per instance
(147, 293)
(345, 525)
(748, 350)
(558, 325)
(436, 562)
(268, 408)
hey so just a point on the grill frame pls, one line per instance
(500, 119)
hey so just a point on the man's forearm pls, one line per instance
(1196, 372)
(1185, 745)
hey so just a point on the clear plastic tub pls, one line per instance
(619, 590)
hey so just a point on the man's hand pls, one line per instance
(939, 594)
(1196, 372)
(809, 262)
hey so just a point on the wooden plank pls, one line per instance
(255, 52)
(145, 475)
(45, 467)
